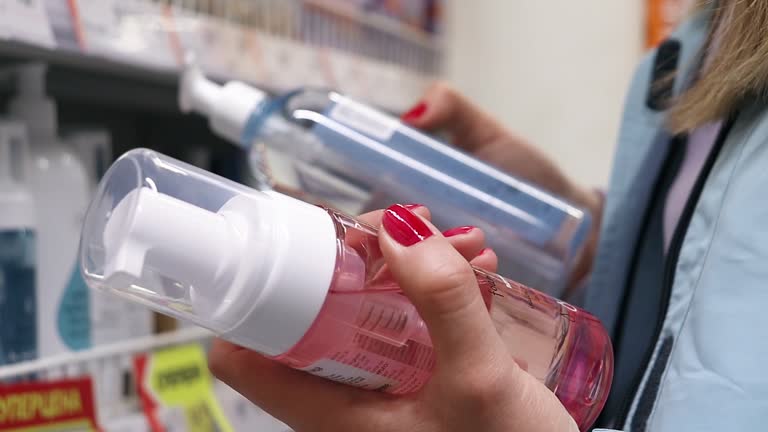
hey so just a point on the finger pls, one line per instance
(443, 108)
(441, 284)
(373, 218)
(364, 238)
(297, 398)
(486, 260)
(467, 240)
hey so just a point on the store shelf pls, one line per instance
(139, 46)
(71, 361)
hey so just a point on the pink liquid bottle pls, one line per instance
(307, 286)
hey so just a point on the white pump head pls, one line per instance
(227, 107)
(249, 266)
(16, 204)
(32, 105)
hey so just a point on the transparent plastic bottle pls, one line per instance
(306, 285)
(343, 151)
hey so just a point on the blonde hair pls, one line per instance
(736, 70)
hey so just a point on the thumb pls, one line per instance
(442, 108)
(440, 283)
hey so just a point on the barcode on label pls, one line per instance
(364, 119)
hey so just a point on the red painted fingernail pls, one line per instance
(412, 206)
(404, 226)
(458, 231)
(414, 113)
(483, 252)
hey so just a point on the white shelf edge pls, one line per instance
(132, 346)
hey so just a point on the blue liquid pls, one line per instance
(414, 165)
(18, 307)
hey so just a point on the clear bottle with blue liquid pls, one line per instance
(339, 150)
(18, 309)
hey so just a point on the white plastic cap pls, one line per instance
(227, 107)
(32, 105)
(252, 267)
(15, 200)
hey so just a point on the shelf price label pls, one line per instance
(176, 391)
(47, 406)
(26, 21)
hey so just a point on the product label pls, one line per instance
(350, 375)
(48, 406)
(377, 365)
(18, 308)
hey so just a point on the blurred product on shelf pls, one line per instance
(18, 227)
(381, 52)
(111, 319)
(60, 190)
(356, 159)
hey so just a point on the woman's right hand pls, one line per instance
(470, 128)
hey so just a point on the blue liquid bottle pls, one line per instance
(339, 148)
(18, 309)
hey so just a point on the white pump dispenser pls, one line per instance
(32, 105)
(228, 107)
(228, 264)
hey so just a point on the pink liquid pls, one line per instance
(369, 335)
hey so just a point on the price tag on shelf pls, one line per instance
(176, 390)
(27, 21)
(48, 406)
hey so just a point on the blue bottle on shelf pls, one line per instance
(355, 158)
(18, 290)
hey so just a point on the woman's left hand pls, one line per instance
(476, 385)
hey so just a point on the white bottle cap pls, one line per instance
(32, 105)
(15, 200)
(251, 267)
(227, 107)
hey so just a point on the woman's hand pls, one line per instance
(443, 109)
(476, 385)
